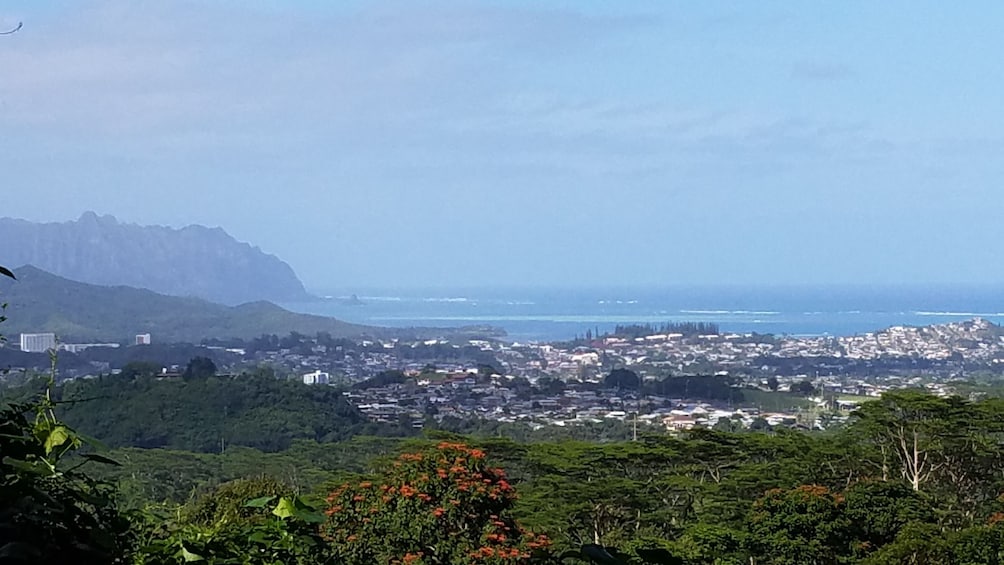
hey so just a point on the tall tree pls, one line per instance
(918, 435)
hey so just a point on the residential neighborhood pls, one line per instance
(810, 382)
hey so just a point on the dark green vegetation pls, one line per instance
(686, 328)
(50, 510)
(632, 331)
(703, 387)
(202, 413)
(913, 479)
(80, 312)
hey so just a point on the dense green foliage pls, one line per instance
(914, 479)
(203, 414)
(51, 512)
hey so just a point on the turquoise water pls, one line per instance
(554, 314)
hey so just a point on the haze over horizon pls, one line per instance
(523, 143)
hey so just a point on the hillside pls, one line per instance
(256, 411)
(193, 261)
(80, 312)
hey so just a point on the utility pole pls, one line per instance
(637, 410)
(223, 432)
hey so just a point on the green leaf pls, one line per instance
(35, 468)
(259, 502)
(7, 273)
(310, 517)
(19, 551)
(93, 442)
(658, 556)
(285, 508)
(101, 459)
(190, 557)
(599, 554)
(56, 438)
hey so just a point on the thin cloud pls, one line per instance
(820, 71)
(116, 68)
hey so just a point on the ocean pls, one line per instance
(558, 314)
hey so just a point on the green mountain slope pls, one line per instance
(78, 312)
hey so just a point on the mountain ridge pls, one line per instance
(39, 301)
(195, 260)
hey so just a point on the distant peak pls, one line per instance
(91, 217)
(31, 272)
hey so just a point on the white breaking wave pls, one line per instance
(731, 312)
(960, 314)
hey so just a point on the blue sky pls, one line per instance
(448, 143)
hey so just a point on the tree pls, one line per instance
(803, 388)
(622, 379)
(200, 368)
(725, 424)
(444, 505)
(916, 433)
(706, 543)
(916, 544)
(802, 526)
(134, 369)
(772, 383)
(551, 386)
(879, 510)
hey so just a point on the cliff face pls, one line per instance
(193, 261)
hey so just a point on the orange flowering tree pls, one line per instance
(445, 505)
(804, 525)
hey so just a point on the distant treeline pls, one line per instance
(699, 387)
(685, 328)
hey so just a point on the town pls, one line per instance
(684, 375)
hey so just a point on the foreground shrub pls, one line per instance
(444, 505)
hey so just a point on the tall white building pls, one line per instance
(316, 378)
(38, 343)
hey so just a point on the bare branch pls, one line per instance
(10, 31)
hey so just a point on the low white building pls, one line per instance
(78, 347)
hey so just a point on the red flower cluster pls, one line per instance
(444, 504)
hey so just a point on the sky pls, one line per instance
(561, 143)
